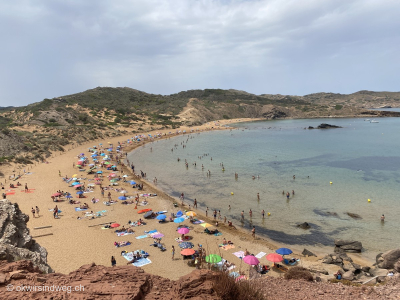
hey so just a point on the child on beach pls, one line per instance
(33, 212)
(37, 211)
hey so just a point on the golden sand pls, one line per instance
(73, 243)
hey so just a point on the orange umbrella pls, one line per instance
(114, 225)
(187, 252)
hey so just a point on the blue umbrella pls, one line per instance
(76, 183)
(132, 182)
(103, 154)
(68, 196)
(79, 193)
(122, 198)
(179, 220)
(161, 217)
(186, 245)
(284, 251)
(99, 172)
(179, 214)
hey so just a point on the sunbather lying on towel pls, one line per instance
(121, 244)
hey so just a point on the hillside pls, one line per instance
(32, 132)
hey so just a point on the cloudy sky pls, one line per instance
(297, 47)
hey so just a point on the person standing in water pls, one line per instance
(383, 218)
(263, 213)
(258, 196)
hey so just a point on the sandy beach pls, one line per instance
(75, 242)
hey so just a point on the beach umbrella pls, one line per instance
(76, 183)
(144, 210)
(75, 175)
(103, 154)
(191, 214)
(284, 251)
(122, 198)
(114, 225)
(79, 193)
(186, 245)
(56, 194)
(113, 180)
(179, 220)
(213, 258)
(132, 182)
(274, 257)
(188, 252)
(112, 175)
(68, 196)
(99, 172)
(77, 186)
(179, 214)
(183, 230)
(158, 235)
(148, 214)
(79, 162)
(107, 163)
(251, 260)
(161, 217)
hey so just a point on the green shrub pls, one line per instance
(298, 273)
(338, 106)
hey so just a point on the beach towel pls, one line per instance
(108, 203)
(124, 233)
(198, 222)
(261, 254)
(151, 231)
(239, 254)
(218, 233)
(142, 262)
(101, 212)
(159, 234)
(80, 209)
(179, 240)
(227, 247)
(234, 274)
(141, 237)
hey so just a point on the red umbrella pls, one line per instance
(114, 225)
(56, 194)
(79, 162)
(187, 252)
(274, 257)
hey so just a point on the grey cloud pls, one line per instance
(52, 48)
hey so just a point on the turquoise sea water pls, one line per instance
(362, 160)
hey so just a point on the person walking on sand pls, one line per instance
(250, 213)
(173, 252)
(26, 187)
(253, 232)
(113, 261)
(263, 213)
(37, 211)
(242, 215)
(195, 203)
(33, 212)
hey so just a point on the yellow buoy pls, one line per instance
(269, 214)
(369, 200)
(231, 193)
(330, 182)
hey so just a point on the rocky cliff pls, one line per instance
(15, 241)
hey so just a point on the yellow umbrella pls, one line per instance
(75, 175)
(191, 214)
(205, 225)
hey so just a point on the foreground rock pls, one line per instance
(304, 225)
(348, 246)
(15, 241)
(129, 282)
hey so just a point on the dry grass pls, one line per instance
(298, 273)
(227, 288)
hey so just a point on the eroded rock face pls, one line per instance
(100, 282)
(15, 241)
(389, 259)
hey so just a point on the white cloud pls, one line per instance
(165, 46)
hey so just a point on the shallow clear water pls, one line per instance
(362, 161)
